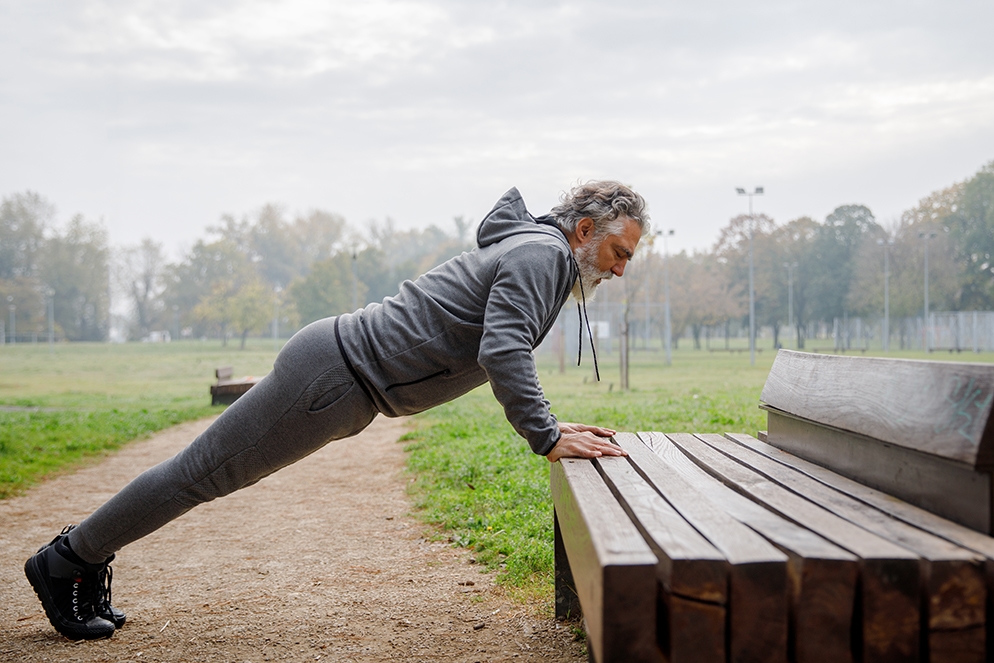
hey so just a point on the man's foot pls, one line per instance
(75, 594)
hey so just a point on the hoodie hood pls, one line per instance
(510, 217)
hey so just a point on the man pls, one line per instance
(473, 319)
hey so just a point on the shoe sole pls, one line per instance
(36, 575)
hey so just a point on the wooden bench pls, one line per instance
(227, 389)
(856, 528)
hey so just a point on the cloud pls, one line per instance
(161, 117)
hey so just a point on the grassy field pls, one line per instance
(71, 403)
(478, 482)
(474, 481)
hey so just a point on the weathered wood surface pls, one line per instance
(227, 390)
(567, 602)
(940, 408)
(969, 538)
(758, 570)
(909, 513)
(612, 566)
(948, 488)
(890, 580)
(822, 575)
(692, 573)
(954, 588)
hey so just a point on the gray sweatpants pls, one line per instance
(308, 400)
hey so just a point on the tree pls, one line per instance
(796, 246)
(249, 308)
(832, 258)
(24, 218)
(140, 273)
(327, 289)
(971, 225)
(208, 269)
(732, 251)
(75, 264)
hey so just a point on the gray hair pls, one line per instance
(606, 203)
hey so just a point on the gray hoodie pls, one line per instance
(473, 319)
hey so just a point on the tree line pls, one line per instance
(271, 266)
(248, 272)
(830, 269)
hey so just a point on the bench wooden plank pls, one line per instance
(822, 578)
(567, 602)
(692, 573)
(951, 489)
(613, 567)
(940, 408)
(954, 584)
(758, 571)
(909, 513)
(890, 576)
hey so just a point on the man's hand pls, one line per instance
(582, 441)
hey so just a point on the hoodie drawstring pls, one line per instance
(581, 315)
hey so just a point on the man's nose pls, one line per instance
(619, 268)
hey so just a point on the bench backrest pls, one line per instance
(921, 430)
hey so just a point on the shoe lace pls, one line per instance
(102, 589)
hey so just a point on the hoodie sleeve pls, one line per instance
(525, 297)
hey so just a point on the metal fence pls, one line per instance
(964, 331)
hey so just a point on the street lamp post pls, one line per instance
(925, 237)
(790, 293)
(752, 296)
(667, 333)
(886, 326)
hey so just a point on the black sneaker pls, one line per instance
(104, 608)
(73, 593)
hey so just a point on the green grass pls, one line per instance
(474, 480)
(477, 481)
(71, 403)
(480, 484)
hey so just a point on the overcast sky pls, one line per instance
(159, 117)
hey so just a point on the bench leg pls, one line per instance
(567, 602)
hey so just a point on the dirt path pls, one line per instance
(317, 562)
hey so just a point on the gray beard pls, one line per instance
(586, 261)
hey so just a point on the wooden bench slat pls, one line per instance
(951, 489)
(941, 408)
(692, 573)
(954, 585)
(758, 571)
(613, 568)
(690, 565)
(890, 575)
(909, 513)
(823, 575)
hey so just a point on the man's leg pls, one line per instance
(309, 399)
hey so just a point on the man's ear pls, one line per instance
(584, 230)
